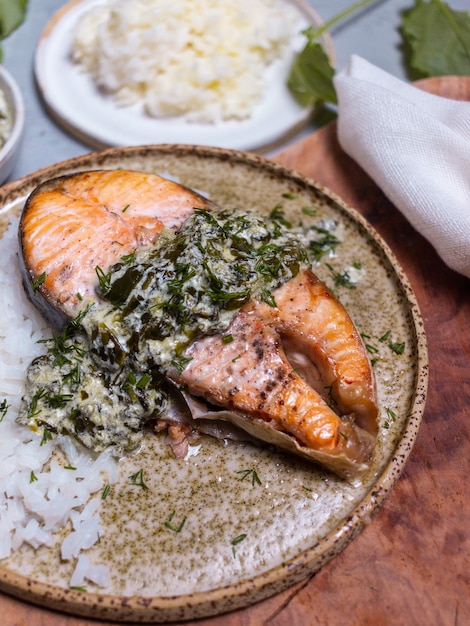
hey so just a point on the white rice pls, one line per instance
(204, 60)
(44, 488)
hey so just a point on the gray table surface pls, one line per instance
(372, 33)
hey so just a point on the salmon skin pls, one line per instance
(295, 372)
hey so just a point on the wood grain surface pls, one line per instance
(411, 566)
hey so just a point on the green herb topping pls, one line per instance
(171, 526)
(37, 282)
(398, 348)
(138, 479)
(4, 406)
(106, 492)
(236, 541)
(341, 279)
(196, 280)
(250, 473)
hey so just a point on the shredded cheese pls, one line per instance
(204, 60)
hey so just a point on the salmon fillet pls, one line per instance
(318, 326)
(251, 374)
(73, 224)
(296, 366)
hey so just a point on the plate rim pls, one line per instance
(234, 596)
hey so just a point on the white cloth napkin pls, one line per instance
(416, 147)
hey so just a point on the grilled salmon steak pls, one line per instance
(76, 223)
(293, 371)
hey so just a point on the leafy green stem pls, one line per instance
(313, 34)
(311, 76)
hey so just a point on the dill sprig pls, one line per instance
(341, 279)
(138, 479)
(247, 473)
(170, 526)
(4, 406)
(234, 543)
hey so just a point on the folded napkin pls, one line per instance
(416, 147)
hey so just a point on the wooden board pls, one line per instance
(411, 566)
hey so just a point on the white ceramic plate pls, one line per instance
(297, 517)
(11, 148)
(73, 100)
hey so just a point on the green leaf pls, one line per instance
(311, 76)
(436, 39)
(12, 14)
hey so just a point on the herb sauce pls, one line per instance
(104, 377)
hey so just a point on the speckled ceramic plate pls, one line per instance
(93, 117)
(242, 540)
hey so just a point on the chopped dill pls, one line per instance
(342, 279)
(180, 362)
(78, 319)
(74, 376)
(33, 407)
(278, 215)
(4, 406)
(370, 348)
(58, 400)
(325, 244)
(176, 529)
(37, 282)
(398, 348)
(267, 296)
(391, 414)
(330, 400)
(236, 541)
(104, 279)
(128, 258)
(385, 336)
(138, 479)
(250, 472)
(46, 436)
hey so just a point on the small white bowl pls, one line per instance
(14, 100)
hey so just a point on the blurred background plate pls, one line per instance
(14, 115)
(73, 100)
